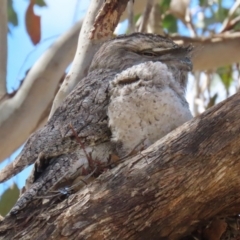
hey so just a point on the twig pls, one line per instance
(189, 24)
(197, 93)
(80, 142)
(231, 12)
(231, 24)
(131, 154)
(131, 25)
(145, 16)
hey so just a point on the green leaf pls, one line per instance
(237, 27)
(12, 15)
(212, 100)
(221, 14)
(136, 17)
(170, 23)
(164, 5)
(209, 20)
(40, 3)
(225, 74)
(202, 2)
(8, 199)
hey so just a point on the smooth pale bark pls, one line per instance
(99, 24)
(211, 53)
(3, 47)
(145, 16)
(86, 48)
(28, 109)
(186, 178)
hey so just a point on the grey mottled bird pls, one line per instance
(132, 96)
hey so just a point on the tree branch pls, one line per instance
(86, 48)
(3, 47)
(231, 12)
(207, 55)
(209, 52)
(23, 113)
(131, 24)
(96, 29)
(145, 16)
(189, 176)
(155, 20)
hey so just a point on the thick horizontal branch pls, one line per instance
(214, 52)
(28, 109)
(210, 53)
(187, 177)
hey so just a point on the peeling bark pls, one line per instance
(107, 19)
(184, 179)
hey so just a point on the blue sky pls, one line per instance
(56, 18)
(21, 52)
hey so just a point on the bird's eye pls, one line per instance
(151, 54)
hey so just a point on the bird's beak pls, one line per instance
(163, 50)
(182, 50)
(180, 54)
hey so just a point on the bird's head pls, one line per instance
(126, 51)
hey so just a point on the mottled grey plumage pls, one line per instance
(134, 93)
